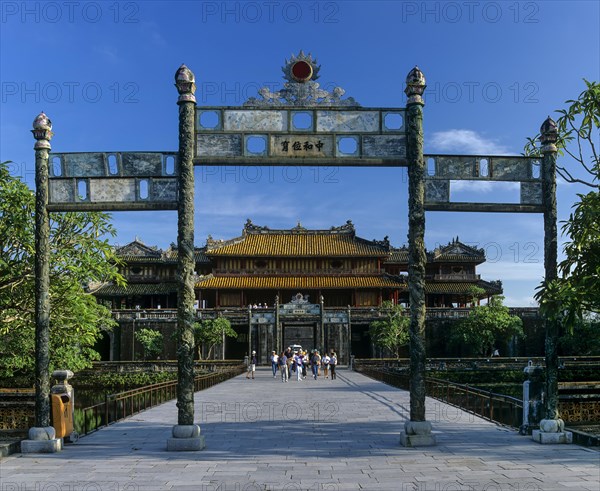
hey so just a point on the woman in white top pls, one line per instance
(332, 364)
(325, 361)
(274, 359)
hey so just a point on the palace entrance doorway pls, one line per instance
(304, 334)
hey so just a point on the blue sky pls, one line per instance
(103, 72)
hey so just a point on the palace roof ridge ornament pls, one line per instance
(300, 88)
(250, 228)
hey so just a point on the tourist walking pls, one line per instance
(316, 363)
(332, 364)
(274, 359)
(290, 362)
(283, 367)
(251, 365)
(298, 365)
(325, 363)
(304, 363)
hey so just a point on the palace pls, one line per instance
(316, 288)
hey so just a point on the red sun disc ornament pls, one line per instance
(302, 71)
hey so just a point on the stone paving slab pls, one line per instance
(338, 435)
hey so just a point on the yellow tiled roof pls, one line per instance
(398, 256)
(299, 282)
(298, 245)
(461, 287)
(111, 290)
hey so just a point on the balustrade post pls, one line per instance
(106, 410)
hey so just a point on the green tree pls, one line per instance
(578, 128)
(210, 332)
(584, 340)
(486, 327)
(152, 342)
(577, 290)
(391, 330)
(78, 258)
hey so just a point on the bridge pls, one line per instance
(323, 435)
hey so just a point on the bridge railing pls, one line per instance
(160, 366)
(125, 404)
(504, 362)
(498, 408)
(355, 312)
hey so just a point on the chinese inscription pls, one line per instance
(298, 146)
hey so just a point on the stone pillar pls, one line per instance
(186, 434)
(552, 426)
(417, 431)
(249, 330)
(349, 338)
(322, 325)
(42, 437)
(532, 397)
(277, 326)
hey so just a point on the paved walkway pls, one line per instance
(311, 435)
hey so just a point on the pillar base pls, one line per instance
(547, 438)
(417, 434)
(552, 431)
(186, 438)
(41, 440)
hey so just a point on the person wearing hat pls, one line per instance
(251, 365)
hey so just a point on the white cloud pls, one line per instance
(466, 142)
(483, 186)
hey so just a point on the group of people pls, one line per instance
(299, 362)
(258, 306)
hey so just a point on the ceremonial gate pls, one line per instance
(304, 125)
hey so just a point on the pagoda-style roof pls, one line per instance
(257, 241)
(138, 252)
(170, 255)
(454, 252)
(135, 289)
(398, 256)
(463, 287)
(300, 282)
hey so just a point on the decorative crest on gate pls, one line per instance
(301, 89)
